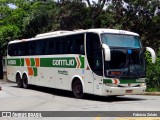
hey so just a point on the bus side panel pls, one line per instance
(88, 87)
(11, 73)
(93, 82)
(45, 77)
(11, 66)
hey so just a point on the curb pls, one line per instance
(152, 93)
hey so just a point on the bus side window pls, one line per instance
(11, 50)
(31, 48)
(26, 47)
(82, 49)
(69, 45)
(16, 49)
(40, 47)
(21, 49)
(62, 44)
(44, 46)
(79, 44)
(57, 47)
(51, 44)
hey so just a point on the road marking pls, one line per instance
(98, 118)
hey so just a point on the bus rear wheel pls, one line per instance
(19, 80)
(77, 89)
(25, 81)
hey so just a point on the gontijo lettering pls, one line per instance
(63, 62)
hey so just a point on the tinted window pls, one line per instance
(11, 49)
(79, 44)
(40, 47)
(69, 45)
(94, 53)
(72, 44)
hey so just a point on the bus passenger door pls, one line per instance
(94, 70)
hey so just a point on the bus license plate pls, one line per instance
(129, 91)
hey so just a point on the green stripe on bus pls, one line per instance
(66, 62)
(82, 62)
(124, 81)
(35, 71)
(32, 61)
(22, 62)
(107, 81)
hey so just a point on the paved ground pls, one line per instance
(47, 99)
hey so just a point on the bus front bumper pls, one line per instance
(109, 91)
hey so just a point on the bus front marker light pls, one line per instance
(129, 52)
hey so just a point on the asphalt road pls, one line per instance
(37, 98)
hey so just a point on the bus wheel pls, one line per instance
(77, 89)
(25, 81)
(19, 80)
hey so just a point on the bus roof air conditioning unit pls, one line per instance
(52, 33)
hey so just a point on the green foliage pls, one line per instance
(7, 33)
(153, 73)
(72, 15)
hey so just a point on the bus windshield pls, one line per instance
(127, 56)
(119, 40)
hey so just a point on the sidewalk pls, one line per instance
(4, 78)
(152, 93)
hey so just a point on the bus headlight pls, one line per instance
(111, 84)
(143, 84)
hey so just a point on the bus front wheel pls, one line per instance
(77, 89)
(25, 81)
(18, 80)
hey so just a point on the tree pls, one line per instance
(72, 15)
(39, 18)
(95, 10)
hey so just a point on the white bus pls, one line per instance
(103, 62)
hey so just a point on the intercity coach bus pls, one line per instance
(103, 62)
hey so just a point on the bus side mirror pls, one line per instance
(153, 54)
(107, 52)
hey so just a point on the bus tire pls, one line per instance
(77, 89)
(19, 80)
(25, 81)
